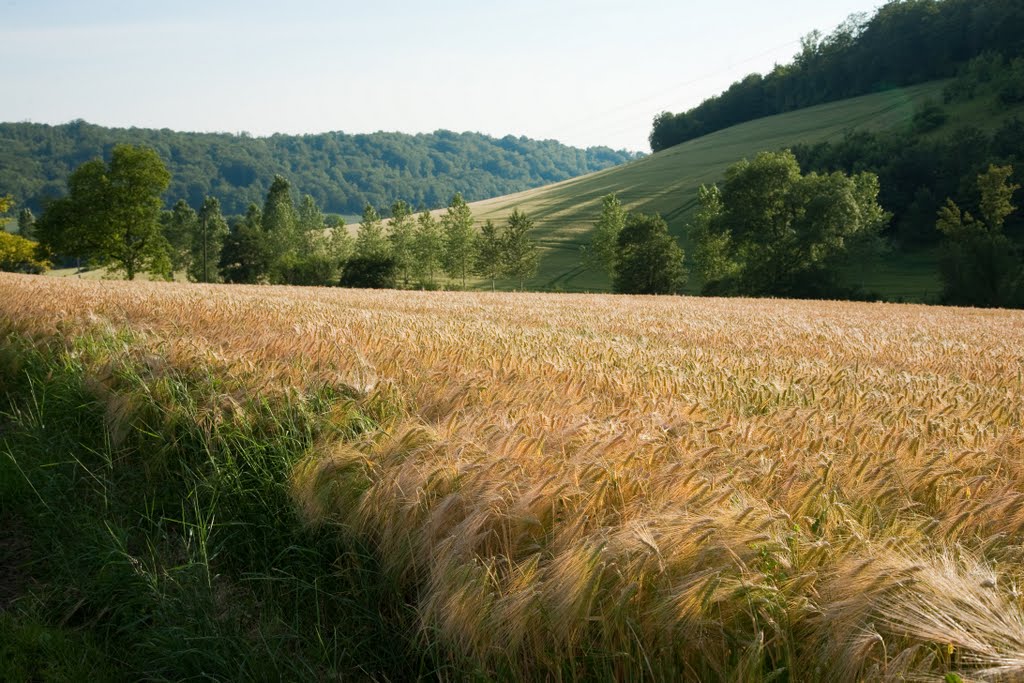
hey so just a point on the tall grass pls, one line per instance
(164, 542)
(530, 487)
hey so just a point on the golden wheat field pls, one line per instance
(674, 487)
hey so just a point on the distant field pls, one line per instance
(667, 183)
(575, 487)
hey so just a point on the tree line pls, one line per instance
(112, 217)
(905, 42)
(773, 229)
(919, 171)
(341, 172)
(770, 229)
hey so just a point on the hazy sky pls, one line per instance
(585, 72)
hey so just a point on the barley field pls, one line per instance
(568, 487)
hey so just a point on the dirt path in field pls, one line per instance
(14, 556)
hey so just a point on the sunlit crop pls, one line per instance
(658, 488)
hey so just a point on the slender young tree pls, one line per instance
(371, 242)
(279, 212)
(520, 255)
(340, 244)
(310, 223)
(207, 242)
(400, 237)
(604, 244)
(459, 239)
(27, 224)
(280, 226)
(490, 253)
(428, 245)
(180, 225)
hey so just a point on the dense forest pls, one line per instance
(343, 173)
(905, 42)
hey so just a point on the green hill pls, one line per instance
(667, 183)
(341, 172)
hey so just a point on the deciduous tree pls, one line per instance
(489, 253)
(371, 242)
(649, 260)
(400, 239)
(20, 255)
(27, 224)
(604, 243)
(246, 257)
(428, 245)
(772, 231)
(111, 214)
(180, 226)
(459, 239)
(519, 253)
(208, 242)
(281, 230)
(980, 265)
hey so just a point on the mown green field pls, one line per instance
(667, 183)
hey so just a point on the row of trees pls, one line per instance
(770, 230)
(773, 230)
(905, 42)
(112, 217)
(413, 250)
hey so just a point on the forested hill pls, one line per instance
(342, 172)
(906, 42)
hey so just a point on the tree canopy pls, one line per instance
(772, 231)
(111, 215)
(603, 249)
(21, 255)
(980, 266)
(519, 253)
(648, 259)
(371, 241)
(488, 262)
(459, 239)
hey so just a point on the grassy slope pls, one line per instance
(667, 183)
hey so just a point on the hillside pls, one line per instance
(341, 172)
(666, 182)
(903, 43)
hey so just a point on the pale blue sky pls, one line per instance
(585, 72)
